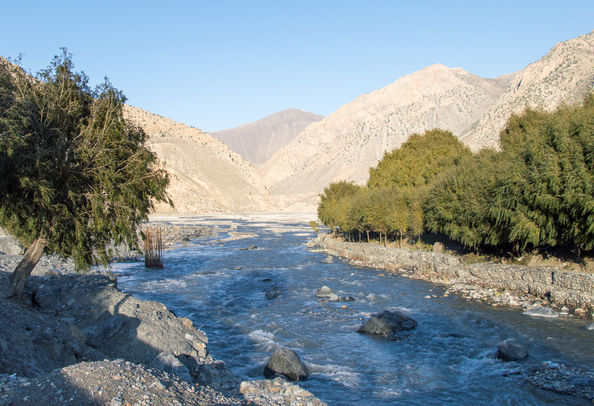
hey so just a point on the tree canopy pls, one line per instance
(75, 175)
(538, 190)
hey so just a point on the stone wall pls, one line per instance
(564, 288)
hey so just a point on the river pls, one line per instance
(449, 358)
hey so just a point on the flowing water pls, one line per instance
(447, 359)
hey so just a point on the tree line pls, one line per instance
(537, 190)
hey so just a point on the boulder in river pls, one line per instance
(324, 292)
(589, 326)
(273, 292)
(327, 260)
(387, 324)
(541, 312)
(511, 352)
(286, 362)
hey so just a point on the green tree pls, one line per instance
(331, 209)
(460, 203)
(418, 160)
(75, 176)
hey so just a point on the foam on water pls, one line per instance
(447, 359)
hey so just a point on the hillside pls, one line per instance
(206, 175)
(563, 75)
(256, 142)
(346, 143)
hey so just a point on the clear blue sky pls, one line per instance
(218, 64)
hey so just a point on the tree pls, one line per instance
(419, 160)
(331, 206)
(75, 176)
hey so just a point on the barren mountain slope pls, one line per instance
(206, 175)
(564, 74)
(257, 142)
(355, 137)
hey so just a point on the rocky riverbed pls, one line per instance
(77, 339)
(539, 291)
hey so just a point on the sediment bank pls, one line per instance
(561, 288)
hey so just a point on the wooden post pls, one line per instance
(153, 248)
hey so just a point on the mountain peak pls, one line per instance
(256, 142)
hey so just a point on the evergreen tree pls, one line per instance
(75, 176)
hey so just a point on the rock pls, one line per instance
(54, 272)
(187, 322)
(327, 260)
(590, 326)
(349, 299)
(541, 312)
(198, 345)
(387, 324)
(317, 248)
(78, 334)
(334, 298)
(286, 362)
(169, 363)
(47, 297)
(9, 246)
(252, 247)
(438, 248)
(324, 292)
(273, 293)
(99, 333)
(511, 352)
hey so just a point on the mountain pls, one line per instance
(563, 75)
(345, 144)
(206, 176)
(257, 142)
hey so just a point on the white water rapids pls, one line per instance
(449, 358)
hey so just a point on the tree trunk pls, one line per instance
(23, 270)
(367, 231)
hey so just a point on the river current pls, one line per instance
(449, 358)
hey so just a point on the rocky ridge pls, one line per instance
(355, 137)
(206, 176)
(256, 142)
(346, 143)
(563, 75)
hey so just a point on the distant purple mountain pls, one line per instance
(257, 142)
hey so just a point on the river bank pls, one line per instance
(80, 340)
(572, 293)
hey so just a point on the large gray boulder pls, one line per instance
(324, 292)
(99, 333)
(511, 352)
(167, 362)
(387, 324)
(286, 362)
(47, 297)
